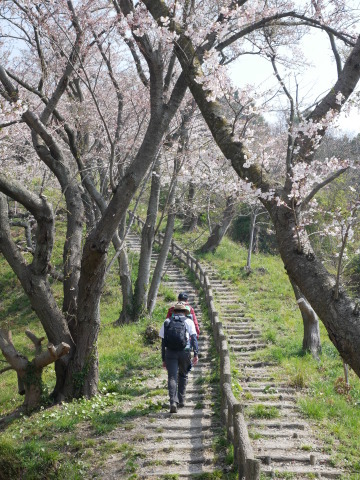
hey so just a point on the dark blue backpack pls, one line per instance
(175, 333)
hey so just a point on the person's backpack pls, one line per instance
(175, 333)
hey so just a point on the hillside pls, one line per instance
(72, 441)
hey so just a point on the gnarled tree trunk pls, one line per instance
(311, 339)
(219, 231)
(29, 372)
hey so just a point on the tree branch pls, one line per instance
(52, 354)
(13, 357)
(319, 186)
(347, 39)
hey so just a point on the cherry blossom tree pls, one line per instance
(43, 97)
(203, 53)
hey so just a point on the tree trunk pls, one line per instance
(32, 382)
(311, 340)
(253, 216)
(72, 252)
(191, 218)
(126, 314)
(339, 316)
(147, 240)
(220, 229)
(160, 264)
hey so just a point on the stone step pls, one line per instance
(245, 348)
(196, 444)
(196, 424)
(299, 472)
(278, 455)
(284, 424)
(179, 472)
(269, 388)
(166, 436)
(263, 397)
(244, 336)
(282, 405)
(253, 381)
(202, 457)
(184, 414)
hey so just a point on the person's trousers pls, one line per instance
(178, 365)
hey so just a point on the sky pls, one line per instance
(313, 83)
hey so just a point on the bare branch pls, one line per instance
(8, 124)
(321, 185)
(347, 39)
(51, 355)
(14, 358)
(336, 53)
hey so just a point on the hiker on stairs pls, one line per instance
(178, 336)
(183, 297)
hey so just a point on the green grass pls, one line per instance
(263, 411)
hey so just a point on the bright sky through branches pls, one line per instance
(312, 81)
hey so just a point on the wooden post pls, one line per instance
(236, 441)
(252, 469)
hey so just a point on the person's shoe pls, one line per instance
(173, 407)
(181, 405)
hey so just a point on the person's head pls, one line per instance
(180, 307)
(183, 297)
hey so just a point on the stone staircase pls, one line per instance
(281, 438)
(178, 445)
